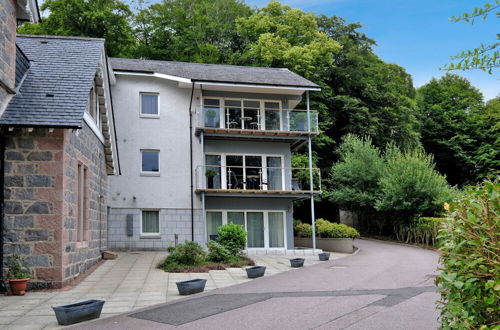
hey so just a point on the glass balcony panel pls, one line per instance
(235, 177)
(274, 173)
(273, 119)
(211, 117)
(213, 173)
(253, 169)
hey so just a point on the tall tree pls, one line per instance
(107, 19)
(190, 30)
(448, 109)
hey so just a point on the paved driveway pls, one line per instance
(384, 286)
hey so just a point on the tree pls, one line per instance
(449, 107)
(189, 30)
(107, 19)
(485, 57)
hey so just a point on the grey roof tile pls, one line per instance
(60, 66)
(216, 72)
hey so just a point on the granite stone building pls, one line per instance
(58, 149)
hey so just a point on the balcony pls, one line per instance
(258, 123)
(255, 181)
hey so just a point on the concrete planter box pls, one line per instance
(196, 285)
(297, 262)
(78, 312)
(343, 245)
(255, 271)
(325, 256)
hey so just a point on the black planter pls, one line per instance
(78, 312)
(192, 286)
(324, 256)
(297, 262)
(255, 271)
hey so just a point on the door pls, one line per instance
(274, 173)
(272, 115)
(253, 172)
(255, 228)
(235, 173)
(214, 221)
(276, 230)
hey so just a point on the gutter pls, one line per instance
(3, 287)
(191, 159)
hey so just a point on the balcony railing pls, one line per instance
(257, 119)
(252, 178)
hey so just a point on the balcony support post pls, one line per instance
(311, 179)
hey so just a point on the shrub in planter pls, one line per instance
(469, 282)
(187, 253)
(327, 229)
(219, 253)
(303, 230)
(18, 278)
(233, 237)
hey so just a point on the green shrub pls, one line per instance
(327, 229)
(469, 282)
(303, 230)
(233, 237)
(424, 230)
(187, 253)
(219, 253)
(170, 249)
(15, 264)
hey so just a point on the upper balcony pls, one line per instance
(257, 181)
(254, 122)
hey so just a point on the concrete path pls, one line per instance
(384, 286)
(129, 283)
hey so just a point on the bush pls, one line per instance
(327, 229)
(187, 253)
(303, 230)
(219, 253)
(15, 264)
(233, 237)
(469, 282)
(423, 231)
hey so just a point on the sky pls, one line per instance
(415, 34)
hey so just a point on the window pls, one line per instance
(214, 221)
(150, 162)
(149, 105)
(93, 106)
(150, 223)
(82, 197)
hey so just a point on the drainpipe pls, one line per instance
(191, 159)
(3, 287)
(311, 180)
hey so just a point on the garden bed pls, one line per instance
(206, 266)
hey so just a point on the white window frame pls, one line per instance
(222, 119)
(150, 173)
(151, 235)
(145, 115)
(223, 163)
(266, 226)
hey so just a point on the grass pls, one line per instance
(206, 266)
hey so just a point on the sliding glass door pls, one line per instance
(255, 229)
(276, 230)
(214, 221)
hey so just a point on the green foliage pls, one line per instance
(424, 230)
(170, 249)
(187, 253)
(107, 19)
(458, 130)
(484, 57)
(219, 253)
(15, 264)
(233, 237)
(410, 186)
(303, 230)
(354, 180)
(327, 229)
(469, 282)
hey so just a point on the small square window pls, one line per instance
(150, 161)
(150, 223)
(149, 105)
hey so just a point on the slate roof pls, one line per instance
(216, 72)
(55, 90)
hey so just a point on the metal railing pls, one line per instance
(249, 118)
(257, 178)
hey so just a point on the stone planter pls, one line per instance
(324, 256)
(297, 262)
(255, 271)
(78, 312)
(191, 286)
(343, 245)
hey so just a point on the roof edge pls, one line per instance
(42, 36)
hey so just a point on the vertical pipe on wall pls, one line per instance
(3, 287)
(203, 169)
(191, 159)
(311, 179)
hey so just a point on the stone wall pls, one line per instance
(172, 221)
(41, 202)
(7, 49)
(33, 202)
(82, 146)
